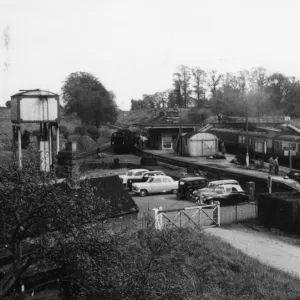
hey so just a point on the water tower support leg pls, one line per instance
(50, 144)
(14, 139)
(19, 147)
(57, 138)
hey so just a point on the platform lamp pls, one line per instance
(247, 137)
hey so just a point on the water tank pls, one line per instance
(34, 106)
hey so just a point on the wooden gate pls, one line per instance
(195, 216)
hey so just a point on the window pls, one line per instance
(277, 144)
(220, 189)
(129, 173)
(228, 189)
(156, 180)
(293, 146)
(166, 180)
(138, 173)
(234, 189)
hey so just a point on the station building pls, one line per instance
(164, 128)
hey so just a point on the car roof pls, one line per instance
(164, 176)
(225, 181)
(229, 185)
(137, 170)
(157, 171)
(192, 178)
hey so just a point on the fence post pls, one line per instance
(180, 219)
(219, 215)
(158, 218)
(199, 217)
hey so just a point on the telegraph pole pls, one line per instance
(247, 139)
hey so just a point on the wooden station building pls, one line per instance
(163, 129)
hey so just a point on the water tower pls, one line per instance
(41, 107)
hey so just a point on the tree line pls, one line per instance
(256, 91)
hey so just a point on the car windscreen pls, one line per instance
(211, 185)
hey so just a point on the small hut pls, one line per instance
(196, 144)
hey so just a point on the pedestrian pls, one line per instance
(223, 150)
(276, 165)
(98, 152)
(271, 165)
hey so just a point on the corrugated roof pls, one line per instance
(34, 93)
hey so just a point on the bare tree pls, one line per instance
(231, 81)
(199, 76)
(6, 39)
(213, 82)
(183, 75)
(258, 78)
(177, 78)
(242, 79)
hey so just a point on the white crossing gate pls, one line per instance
(195, 216)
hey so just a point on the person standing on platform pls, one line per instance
(271, 165)
(98, 152)
(276, 166)
(223, 149)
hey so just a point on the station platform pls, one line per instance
(224, 165)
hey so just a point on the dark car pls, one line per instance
(186, 187)
(144, 178)
(229, 199)
(295, 175)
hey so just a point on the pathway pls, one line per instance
(262, 246)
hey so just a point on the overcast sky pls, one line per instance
(134, 46)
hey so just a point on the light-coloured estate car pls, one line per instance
(222, 190)
(157, 184)
(133, 174)
(214, 184)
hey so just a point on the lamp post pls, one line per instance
(247, 137)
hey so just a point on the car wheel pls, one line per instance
(174, 192)
(143, 193)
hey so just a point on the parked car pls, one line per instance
(214, 184)
(228, 199)
(145, 177)
(132, 174)
(157, 184)
(187, 185)
(295, 175)
(221, 192)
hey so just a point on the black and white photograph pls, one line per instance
(149, 150)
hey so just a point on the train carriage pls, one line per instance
(261, 144)
(228, 136)
(283, 144)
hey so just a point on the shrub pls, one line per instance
(80, 130)
(64, 130)
(93, 132)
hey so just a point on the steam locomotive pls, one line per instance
(123, 140)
